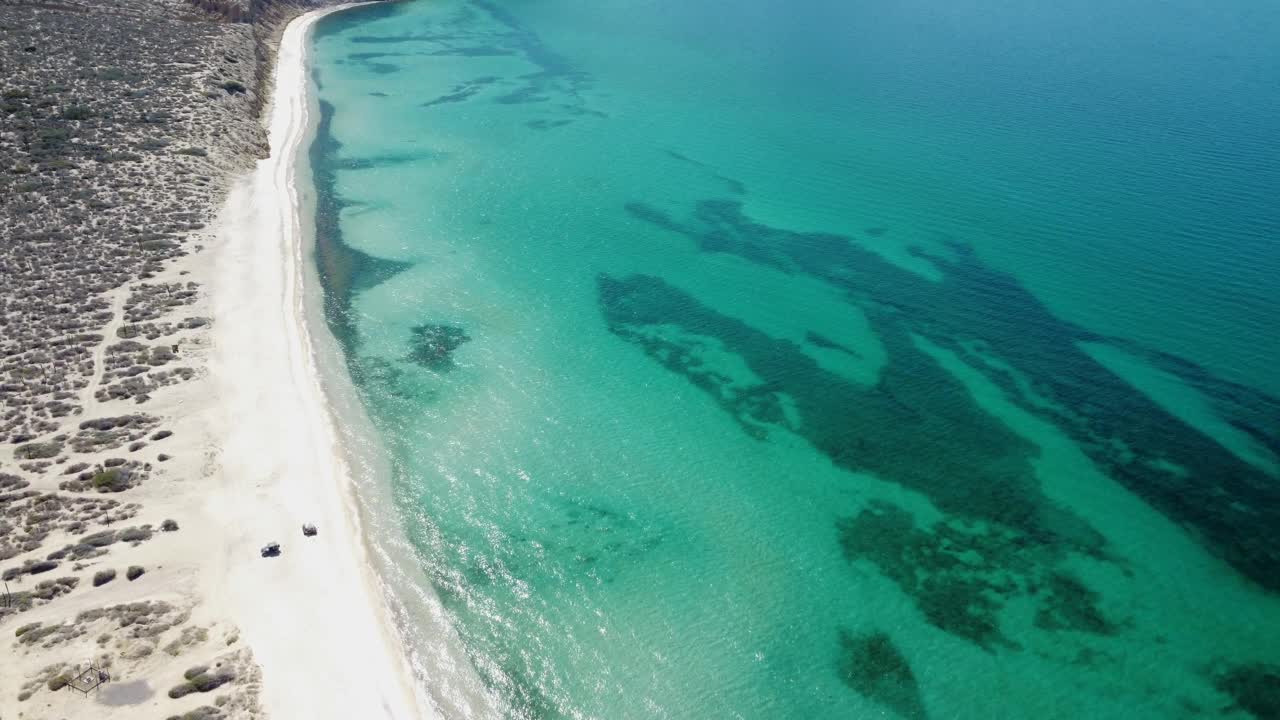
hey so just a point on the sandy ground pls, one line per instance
(314, 616)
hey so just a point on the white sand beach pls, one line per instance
(314, 616)
(169, 497)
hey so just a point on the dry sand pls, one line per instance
(314, 616)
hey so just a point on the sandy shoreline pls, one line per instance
(314, 616)
(197, 418)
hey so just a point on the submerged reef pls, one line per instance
(1254, 687)
(344, 270)
(918, 426)
(432, 346)
(874, 667)
(960, 575)
(1001, 543)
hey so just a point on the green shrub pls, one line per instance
(183, 690)
(99, 539)
(194, 151)
(136, 534)
(35, 636)
(199, 680)
(204, 712)
(134, 572)
(207, 683)
(233, 88)
(58, 682)
(21, 600)
(38, 451)
(54, 135)
(112, 480)
(102, 577)
(29, 567)
(77, 112)
(50, 589)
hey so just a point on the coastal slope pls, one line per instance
(129, 528)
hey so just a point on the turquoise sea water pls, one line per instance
(822, 359)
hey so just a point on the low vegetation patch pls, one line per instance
(77, 112)
(57, 682)
(38, 451)
(202, 681)
(204, 712)
(112, 480)
(30, 567)
(136, 534)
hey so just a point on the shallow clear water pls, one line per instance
(822, 359)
